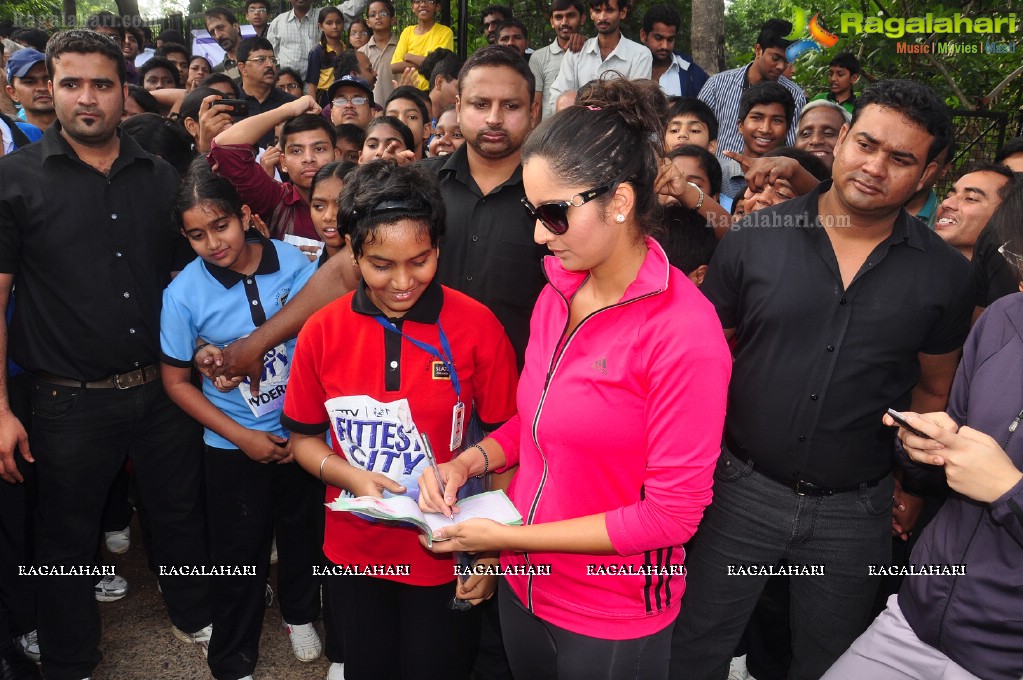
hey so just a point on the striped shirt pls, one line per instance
(293, 39)
(723, 92)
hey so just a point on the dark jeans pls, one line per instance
(17, 506)
(538, 650)
(247, 501)
(754, 520)
(397, 631)
(80, 439)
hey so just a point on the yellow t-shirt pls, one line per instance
(421, 45)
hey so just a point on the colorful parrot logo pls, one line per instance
(820, 37)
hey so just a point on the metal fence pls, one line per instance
(979, 135)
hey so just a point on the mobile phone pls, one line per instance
(239, 107)
(900, 420)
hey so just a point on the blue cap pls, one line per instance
(22, 61)
(354, 81)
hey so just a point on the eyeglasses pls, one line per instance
(381, 15)
(289, 86)
(1014, 259)
(554, 215)
(422, 2)
(362, 33)
(354, 101)
(257, 10)
(263, 60)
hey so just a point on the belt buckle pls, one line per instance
(125, 381)
(798, 487)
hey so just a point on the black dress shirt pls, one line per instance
(487, 251)
(91, 255)
(816, 365)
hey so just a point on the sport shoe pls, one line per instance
(336, 672)
(200, 638)
(110, 588)
(305, 641)
(29, 645)
(118, 542)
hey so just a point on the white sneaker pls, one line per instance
(200, 638)
(336, 672)
(29, 645)
(118, 542)
(737, 669)
(305, 641)
(110, 588)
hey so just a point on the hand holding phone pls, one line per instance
(900, 420)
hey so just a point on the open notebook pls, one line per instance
(494, 505)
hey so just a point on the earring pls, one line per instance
(619, 218)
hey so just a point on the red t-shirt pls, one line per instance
(341, 353)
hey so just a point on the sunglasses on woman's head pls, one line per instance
(554, 215)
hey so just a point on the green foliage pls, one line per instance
(974, 75)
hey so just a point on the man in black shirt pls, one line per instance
(841, 306)
(85, 236)
(488, 248)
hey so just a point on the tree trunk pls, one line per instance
(70, 12)
(707, 33)
(128, 8)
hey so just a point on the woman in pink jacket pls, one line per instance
(620, 410)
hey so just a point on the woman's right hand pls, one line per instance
(373, 484)
(453, 475)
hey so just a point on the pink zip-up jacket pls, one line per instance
(623, 417)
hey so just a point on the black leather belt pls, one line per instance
(803, 487)
(120, 381)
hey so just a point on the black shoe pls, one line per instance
(16, 666)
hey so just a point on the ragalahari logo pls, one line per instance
(819, 40)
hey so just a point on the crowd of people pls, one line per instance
(665, 312)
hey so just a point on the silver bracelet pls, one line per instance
(486, 461)
(699, 203)
(321, 466)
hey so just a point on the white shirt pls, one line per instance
(628, 58)
(670, 81)
(8, 138)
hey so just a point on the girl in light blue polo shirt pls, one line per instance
(239, 280)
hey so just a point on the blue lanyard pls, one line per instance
(447, 357)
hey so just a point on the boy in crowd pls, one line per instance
(443, 82)
(159, 74)
(566, 18)
(698, 166)
(690, 121)
(258, 14)
(820, 121)
(350, 139)
(175, 54)
(380, 48)
(418, 41)
(765, 114)
(687, 242)
(843, 73)
(408, 105)
(307, 144)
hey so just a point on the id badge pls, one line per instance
(457, 424)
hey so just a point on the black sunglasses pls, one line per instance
(554, 215)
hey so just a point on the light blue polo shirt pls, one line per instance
(221, 306)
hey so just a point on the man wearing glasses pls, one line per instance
(258, 67)
(351, 101)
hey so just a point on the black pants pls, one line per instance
(396, 631)
(538, 650)
(80, 439)
(246, 501)
(17, 505)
